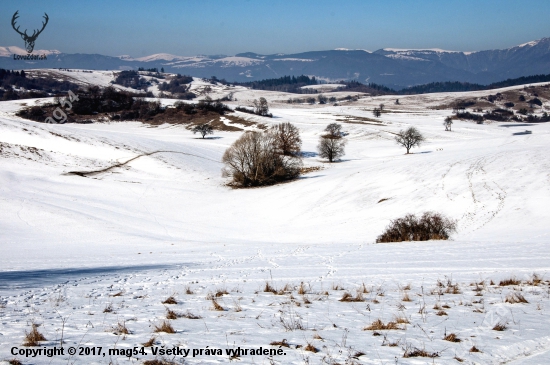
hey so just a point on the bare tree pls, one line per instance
(382, 107)
(409, 138)
(261, 107)
(334, 130)
(448, 123)
(331, 148)
(203, 129)
(322, 99)
(287, 139)
(376, 112)
(253, 160)
(331, 144)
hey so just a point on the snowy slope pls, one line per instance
(166, 221)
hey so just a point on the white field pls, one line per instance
(167, 221)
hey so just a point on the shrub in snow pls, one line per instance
(430, 226)
(255, 160)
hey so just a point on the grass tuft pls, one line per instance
(451, 337)
(149, 343)
(510, 281)
(378, 325)
(170, 300)
(347, 297)
(500, 326)
(216, 306)
(515, 298)
(282, 343)
(311, 348)
(33, 337)
(165, 327)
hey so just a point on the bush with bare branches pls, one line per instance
(430, 226)
(254, 160)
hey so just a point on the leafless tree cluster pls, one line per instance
(430, 226)
(332, 143)
(261, 107)
(257, 158)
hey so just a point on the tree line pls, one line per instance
(16, 85)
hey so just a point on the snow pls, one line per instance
(10, 51)
(294, 59)
(165, 222)
(404, 50)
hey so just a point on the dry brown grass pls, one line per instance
(401, 320)
(510, 281)
(121, 329)
(216, 306)
(441, 313)
(150, 342)
(459, 359)
(188, 290)
(282, 343)
(269, 289)
(474, 349)
(536, 280)
(500, 326)
(406, 298)
(453, 289)
(15, 362)
(514, 298)
(165, 327)
(170, 314)
(190, 315)
(363, 289)
(378, 325)
(33, 337)
(170, 300)
(221, 292)
(119, 294)
(451, 337)
(347, 297)
(159, 362)
(416, 352)
(311, 348)
(337, 287)
(316, 336)
(108, 308)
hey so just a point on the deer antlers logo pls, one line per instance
(29, 39)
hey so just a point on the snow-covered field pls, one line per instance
(166, 225)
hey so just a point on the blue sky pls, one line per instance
(189, 27)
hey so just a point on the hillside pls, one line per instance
(166, 224)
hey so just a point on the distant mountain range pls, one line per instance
(396, 68)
